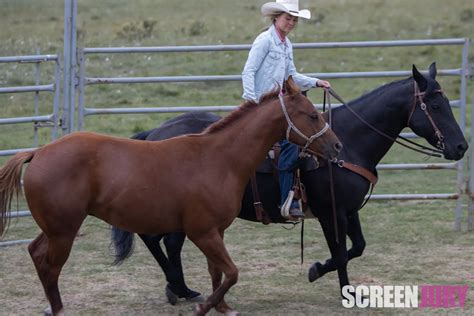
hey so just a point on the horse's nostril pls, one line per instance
(338, 146)
(462, 147)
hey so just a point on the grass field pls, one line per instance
(410, 243)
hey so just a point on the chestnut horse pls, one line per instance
(192, 184)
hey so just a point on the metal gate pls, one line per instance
(50, 120)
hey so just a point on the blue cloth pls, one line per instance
(269, 63)
(288, 158)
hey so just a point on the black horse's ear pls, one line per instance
(433, 70)
(420, 79)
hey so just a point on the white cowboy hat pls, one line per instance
(288, 6)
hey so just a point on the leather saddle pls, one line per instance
(270, 166)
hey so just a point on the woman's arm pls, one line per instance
(304, 82)
(257, 54)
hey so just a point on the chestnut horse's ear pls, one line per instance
(291, 88)
(420, 79)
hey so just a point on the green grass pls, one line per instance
(409, 242)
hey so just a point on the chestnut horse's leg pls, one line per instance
(219, 261)
(216, 277)
(49, 256)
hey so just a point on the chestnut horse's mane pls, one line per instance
(241, 111)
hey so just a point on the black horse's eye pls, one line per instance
(434, 106)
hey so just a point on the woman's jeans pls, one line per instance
(288, 159)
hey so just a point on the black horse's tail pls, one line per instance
(123, 244)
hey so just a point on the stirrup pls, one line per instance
(285, 208)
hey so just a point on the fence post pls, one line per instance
(470, 211)
(70, 14)
(463, 107)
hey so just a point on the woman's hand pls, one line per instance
(323, 84)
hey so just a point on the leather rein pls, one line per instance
(417, 100)
(372, 178)
(418, 96)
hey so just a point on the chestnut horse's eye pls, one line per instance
(314, 116)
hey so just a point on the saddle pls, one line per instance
(270, 166)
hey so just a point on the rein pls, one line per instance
(331, 177)
(421, 148)
(418, 96)
(292, 127)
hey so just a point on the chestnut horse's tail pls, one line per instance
(10, 186)
(123, 244)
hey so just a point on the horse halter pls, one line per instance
(419, 97)
(292, 127)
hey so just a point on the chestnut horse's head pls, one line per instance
(306, 125)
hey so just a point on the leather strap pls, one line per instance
(361, 171)
(260, 212)
(372, 178)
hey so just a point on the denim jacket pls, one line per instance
(270, 62)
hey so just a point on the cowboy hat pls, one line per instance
(287, 6)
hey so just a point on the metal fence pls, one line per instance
(51, 119)
(84, 111)
(461, 72)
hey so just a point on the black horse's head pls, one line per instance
(432, 118)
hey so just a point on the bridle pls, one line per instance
(292, 127)
(419, 97)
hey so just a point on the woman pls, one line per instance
(269, 63)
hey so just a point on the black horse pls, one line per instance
(389, 108)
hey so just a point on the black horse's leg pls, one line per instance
(354, 232)
(175, 287)
(174, 244)
(337, 248)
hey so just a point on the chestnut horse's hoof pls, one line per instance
(47, 311)
(313, 273)
(198, 310)
(231, 313)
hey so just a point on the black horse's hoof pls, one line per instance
(194, 297)
(190, 296)
(172, 298)
(314, 272)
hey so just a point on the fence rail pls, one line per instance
(52, 119)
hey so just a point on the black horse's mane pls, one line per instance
(240, 112)
(382, 89)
